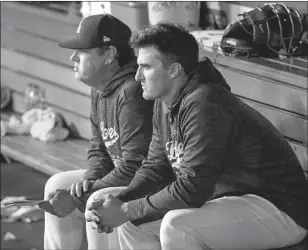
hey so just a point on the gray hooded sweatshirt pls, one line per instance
(210, 144)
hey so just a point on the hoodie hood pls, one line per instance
(203, 73)
(126, 72)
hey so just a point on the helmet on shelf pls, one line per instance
(268, 30)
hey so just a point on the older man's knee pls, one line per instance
(55, 182)
(62, 180)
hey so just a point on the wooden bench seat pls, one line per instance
(49, 158)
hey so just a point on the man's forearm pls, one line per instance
(148, 180)
(140, 211)
(139, 188)
(95, 173)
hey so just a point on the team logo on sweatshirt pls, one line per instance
(175, 153)
(110, 135)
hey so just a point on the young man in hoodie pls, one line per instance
(218, 174)
(121, 123)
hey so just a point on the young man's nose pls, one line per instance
(139, 76)
(74, 56)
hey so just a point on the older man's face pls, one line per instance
(88, 64)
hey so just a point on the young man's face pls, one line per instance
(88, 64)
(152, 73)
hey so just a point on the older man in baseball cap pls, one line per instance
(99, 30)
(121, 127)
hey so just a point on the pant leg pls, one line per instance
(233, 223)
(64, 233)
(104, 241)
(143, 237)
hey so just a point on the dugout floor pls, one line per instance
(18, 180)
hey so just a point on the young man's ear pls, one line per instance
(175, 70)
(112, 53)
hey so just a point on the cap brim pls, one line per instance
(75, 43)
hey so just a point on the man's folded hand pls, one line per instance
(61, 204)
(107, 212)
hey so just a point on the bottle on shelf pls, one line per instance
(34, 97)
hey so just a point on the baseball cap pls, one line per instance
(98, 30)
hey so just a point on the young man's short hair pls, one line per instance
(172, 40)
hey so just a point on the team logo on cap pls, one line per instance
(106, 39)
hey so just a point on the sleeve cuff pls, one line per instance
(94, 174)
(135, 209)
(141, 211)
